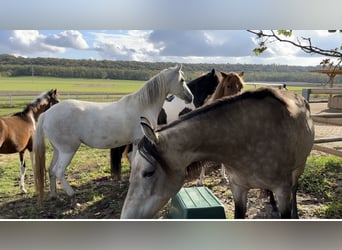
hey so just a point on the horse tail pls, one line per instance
(39, 154)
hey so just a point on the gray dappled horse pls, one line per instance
(263, 138)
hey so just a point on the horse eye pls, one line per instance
(148, 173)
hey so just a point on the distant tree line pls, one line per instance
(11, 66)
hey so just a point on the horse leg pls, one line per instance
(240, 200)
(224, 179)
(201, 178)
(63, 161)
(52, 175)
(272, 201)
(115, 162)
(22, 172)
(285, 202)
(32, 161)
(294, 214)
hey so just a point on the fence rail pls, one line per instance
(327, 118)
(22, 98)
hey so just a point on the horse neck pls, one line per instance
(38, 111)
(194, 148)
(35, 109)
(201, 90)
(151, 98)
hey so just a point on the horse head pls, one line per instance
(203, 86)
(44, 102)
(231, 84)
(151, 171)
(174, 77)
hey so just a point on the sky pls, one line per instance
(181, 46)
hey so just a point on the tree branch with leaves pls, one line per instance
(304, 43)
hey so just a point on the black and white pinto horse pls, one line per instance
(173, 107)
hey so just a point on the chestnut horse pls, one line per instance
(263, 137)
(16, 131)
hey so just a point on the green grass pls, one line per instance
(320, 179)
(87, 166)
(68, 84)
(114, 90)
(88, 171)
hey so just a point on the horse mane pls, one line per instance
(202, 89)
(35, 104)
(152, 89)
(146, 147)
(260, 93)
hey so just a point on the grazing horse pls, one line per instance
(231, 84)
(99, 125)
(263, 138)
(16, 131)
(201, 88)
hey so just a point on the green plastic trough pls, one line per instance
(196, 203)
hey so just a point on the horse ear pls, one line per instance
(224, 74)
(179, 67)
(241, 74)
(213, 71)
(148, 130)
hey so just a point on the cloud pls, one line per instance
(33, 42)
(202, 43)
(67, 39)
(184, 46)
(29, 42)
(132, 45)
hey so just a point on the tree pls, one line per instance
(304, 43)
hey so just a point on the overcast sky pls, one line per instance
(183, 46)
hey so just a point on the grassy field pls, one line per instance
(67, 88)
(30, 87)
(67, 84)
(98, 195)
(88, 164)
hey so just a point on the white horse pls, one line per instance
(100, 125)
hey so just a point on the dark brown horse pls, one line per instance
(17, 130)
